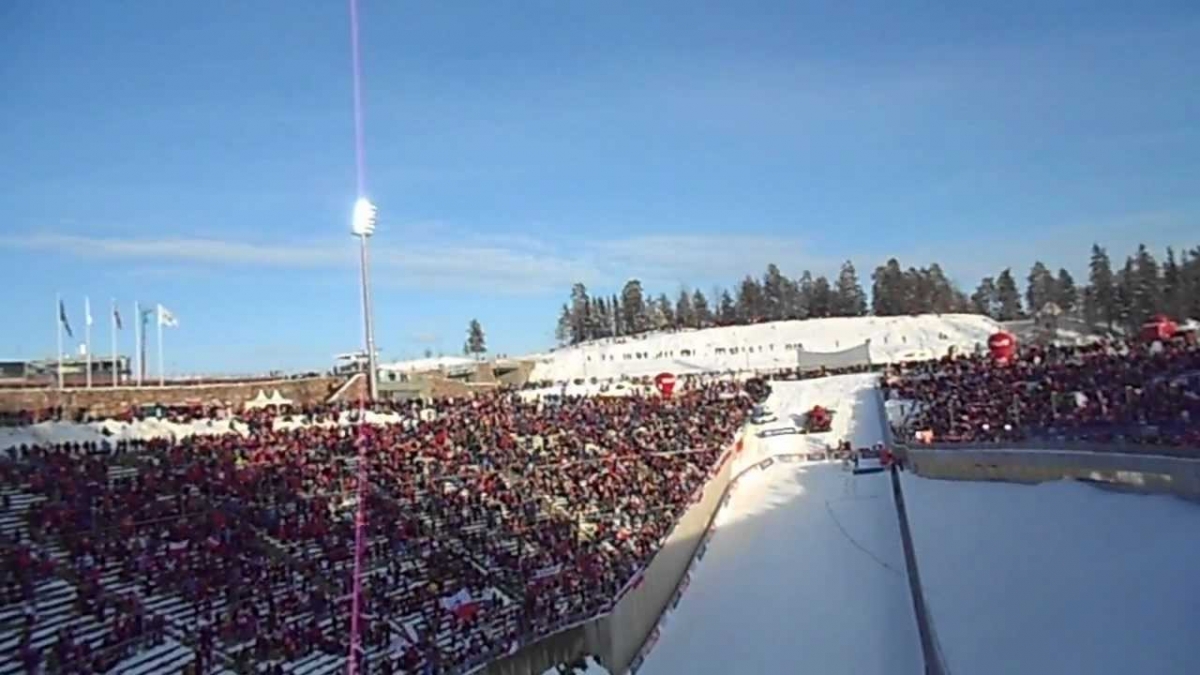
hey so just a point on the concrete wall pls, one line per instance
(562, 647)
(636, 614)
(1143, 472)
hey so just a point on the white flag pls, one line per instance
(87, 310)
(166, 318)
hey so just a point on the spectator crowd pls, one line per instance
(1134, 392)
(490, 522)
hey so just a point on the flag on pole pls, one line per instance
(117, 316)
(166, 318)
(62, 318)
(87, 310)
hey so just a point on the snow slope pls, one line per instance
(805, 573)
(765, 346)
(1059, 577)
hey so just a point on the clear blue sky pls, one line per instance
(200, 154)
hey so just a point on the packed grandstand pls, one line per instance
(493, 521)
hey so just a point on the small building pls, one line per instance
(44, 372)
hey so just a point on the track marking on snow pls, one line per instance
(837, 523)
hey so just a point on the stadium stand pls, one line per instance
(493, 521)
(1129, 392)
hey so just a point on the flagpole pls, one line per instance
(87, 337)
(162, 376)
(116, 370)
(58, 322)
(137, 340)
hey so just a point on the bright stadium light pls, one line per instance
(363, 226)
(365, 213)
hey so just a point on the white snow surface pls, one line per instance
(46, 433)
(1060, 577)
(805, 571)
(428, 364)
(764, 346)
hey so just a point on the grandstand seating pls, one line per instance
(490, 523)
(1132, 392)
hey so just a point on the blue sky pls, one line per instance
(200, 154)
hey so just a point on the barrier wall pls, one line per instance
(636, 613)
(929, 649)
(1158, 474)
(930, 653)
(563, 647)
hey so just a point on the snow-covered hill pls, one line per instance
(429, 363)
(768, 346)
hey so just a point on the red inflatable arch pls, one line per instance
(1002, 346)
(665, 383)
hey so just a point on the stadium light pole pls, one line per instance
(363, 226)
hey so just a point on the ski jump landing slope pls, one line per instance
(1060, 577)
(805, 572)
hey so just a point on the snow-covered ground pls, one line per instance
(1059, 577)
(768, 346)
(46, 433)
(805, 572)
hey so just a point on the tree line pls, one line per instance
(1123, 298)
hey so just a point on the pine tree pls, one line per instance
(1173, 298)
(684, 316)
(476, 343)
(804, 295)
(943, 297)
(594, 321)
(1190, 274)
(618, 322)
(655, 318)
(633, 307)
(918, 292)
(822, 298)
(1147, 286)
(581, 310)
(562, 333)
(1040, 287)
(727, 314)
(774, 288)
(603, 318)
(849, 298)
(1101, 293)
(983, 300)
(887, 289)
(1066, 295)
(1124, 297)
(749, 301)
(793, 308)
(667, 310)
(703, 317)
(1008, 298)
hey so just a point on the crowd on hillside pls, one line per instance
(1126, 392)
(492, 521)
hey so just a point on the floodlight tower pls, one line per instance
(363, 226)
